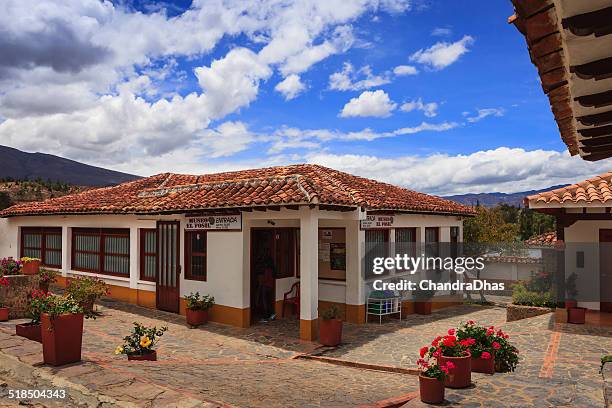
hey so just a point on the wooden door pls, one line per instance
(168, 266)
(605, 270)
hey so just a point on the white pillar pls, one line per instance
(66, 251)
(309, 273)
(355, 297)
(134, 255)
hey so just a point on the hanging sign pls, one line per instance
(215, 223)
(377, 221)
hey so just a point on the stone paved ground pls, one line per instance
(220, 365)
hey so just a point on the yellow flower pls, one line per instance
(145, 341)
(119, 350)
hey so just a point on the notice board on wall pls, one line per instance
(332, 253)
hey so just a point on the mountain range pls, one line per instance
(494, 199)
(20, 165)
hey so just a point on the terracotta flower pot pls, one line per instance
(29, 331)
(31, 267)
(62, 338)
(485, 366)
(330, 332)
(4, 314)
(422, 308)
(570, 304)
(431, 390)
(461, 375)
(152, 356)
(576, 315)
(196, 317)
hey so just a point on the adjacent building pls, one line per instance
(157, 239)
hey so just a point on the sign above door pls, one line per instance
(214, 223)
(377, 222)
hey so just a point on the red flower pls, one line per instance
(496, 345)
(444, 368)
(451, 332)
(470, 322)
(450, 365)
(490, 332)
(485, 355)
(437, 353)
(436, 341)
(449, 341)
(423, 351)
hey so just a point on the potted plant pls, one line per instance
(449, 348)
(46, 277)
(4, 311)
(32, 329)
(576, 315)
(197, 308)
(86, 291)
(506, 356)
(10, 266)
(31, 266)
(432, 376)
(571, 291)
(62, 330)
(330, 327)
(422, 304)
(480, 342)
(139, 345)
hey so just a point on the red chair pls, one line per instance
(292, 298)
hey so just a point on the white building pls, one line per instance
(157, 239)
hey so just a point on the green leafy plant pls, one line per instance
(604, 360)
(479, 339)
(10, 266)
(521, 295)
(507, 355)
(36, 305)
(570, 286)
(141, 341)
(47, 275)
(430, 367)
(196, 302)
(331, 313)
(85, 288)
(55, 305)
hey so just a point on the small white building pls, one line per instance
(157, 239)
(584, 235)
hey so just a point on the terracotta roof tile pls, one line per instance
(548, 239)
(285, 185)
(594, 190)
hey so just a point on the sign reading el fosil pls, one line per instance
(215, 222)
(377, 221)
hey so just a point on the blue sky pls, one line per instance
(439, 96)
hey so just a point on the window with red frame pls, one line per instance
(148, 254)
(195, 255)
(101, 250)
(44, 244)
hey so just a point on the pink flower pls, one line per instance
(437, 353)
(444, 368)
(490, 332)
(423, 351)
(450, 365)
(496, 345)
(470, 322)
(451, 332)
(471, 341)
(485, 355)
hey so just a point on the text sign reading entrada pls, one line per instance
(377, 221)
(215, 222)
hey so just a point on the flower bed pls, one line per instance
(518, 312)
(15, 294)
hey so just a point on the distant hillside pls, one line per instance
(20, 165)
(493, 199)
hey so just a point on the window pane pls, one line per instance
(32, 240)
(117, 245)
(150, 242)
(86, 261)
(53, 241)
(198, 266)
(32, 253)
(405, 235)
(53, 258)
(87, 243)
(117, 264)
(149, 266)
(198, 242)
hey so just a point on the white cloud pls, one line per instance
(350, 80)
(442, 54)
(227, 139)
(369, 103)
(402, 70)
(429, 109)
(290, 87)
(484, 113)
(441, 32)
(500, 170)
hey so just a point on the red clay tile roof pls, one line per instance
(596, 190)
(273, 186)
(548, 239)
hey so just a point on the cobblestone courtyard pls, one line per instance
(261, 366)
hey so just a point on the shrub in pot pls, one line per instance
(139, 344)
(481, 344)
(507, 355)
(449, 348)
(46, 277)
(4, 311)
(197, 308)
(32, 330)
(571, 291)
(31, 266)
(432, 376)
(62, 330)
(330, 327)
(86, 291)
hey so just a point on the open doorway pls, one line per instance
(605, 270)
(273, 256)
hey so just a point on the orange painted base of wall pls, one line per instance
(309, 329)
(232, 316)
(349, 313)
